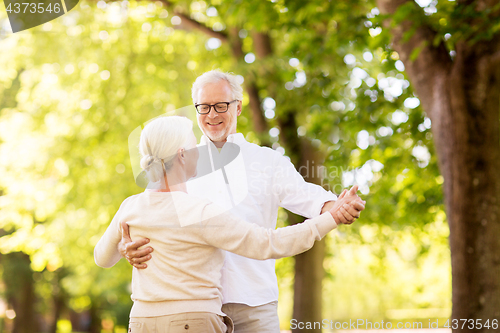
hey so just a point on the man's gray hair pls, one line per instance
(215, 76)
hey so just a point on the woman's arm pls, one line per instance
(106, 252)
(227, 232)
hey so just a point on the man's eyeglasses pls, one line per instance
(220, 107)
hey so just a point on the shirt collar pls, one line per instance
(236, 138)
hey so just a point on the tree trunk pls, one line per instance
(59, 299)
(58, 307)
(80, 321)
(309, 270)
(470, 165)
(20, 290)
(95, 318)
(307, 288)
(462, 98)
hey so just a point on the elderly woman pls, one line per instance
(180, 291)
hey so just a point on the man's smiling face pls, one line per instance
(217, 126)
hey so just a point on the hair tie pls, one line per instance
(154, 159)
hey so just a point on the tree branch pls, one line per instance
(431, 60)
(201, 27)
(236, 44)
(262, 44)
(258, 119)
(193, 24)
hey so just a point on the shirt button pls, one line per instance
(187, 326)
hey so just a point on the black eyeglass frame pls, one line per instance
(213, 105)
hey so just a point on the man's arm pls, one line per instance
(297, 195)
(130, 250)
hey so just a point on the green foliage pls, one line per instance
(66, 167)
(73, 89)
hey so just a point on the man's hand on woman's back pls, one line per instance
(130, 250)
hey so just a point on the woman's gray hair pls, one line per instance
(160, 141)
(215, 76)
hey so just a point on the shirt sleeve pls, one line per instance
(106, 252)
(297, 195)
(225, 231)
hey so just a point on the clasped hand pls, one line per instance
(348, 206)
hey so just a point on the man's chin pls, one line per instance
(215, 137)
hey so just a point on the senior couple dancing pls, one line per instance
(214, 237)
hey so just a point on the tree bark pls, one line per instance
(20, 286)
(262, 44)
(95, 318)
(59, 300)
(462, 98)
(80, 321)
(258, 120)
(307, 288)
(309, 270)
(58, 307)
(472, 184)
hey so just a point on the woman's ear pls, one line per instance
(181, 154)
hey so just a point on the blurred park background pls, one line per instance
(328, 83)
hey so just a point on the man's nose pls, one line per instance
(212, 113)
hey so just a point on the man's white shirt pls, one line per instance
(252, 185)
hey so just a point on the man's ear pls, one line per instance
(238, 108)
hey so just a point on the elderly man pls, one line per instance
(252, 186)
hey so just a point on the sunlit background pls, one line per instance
(73, 89)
